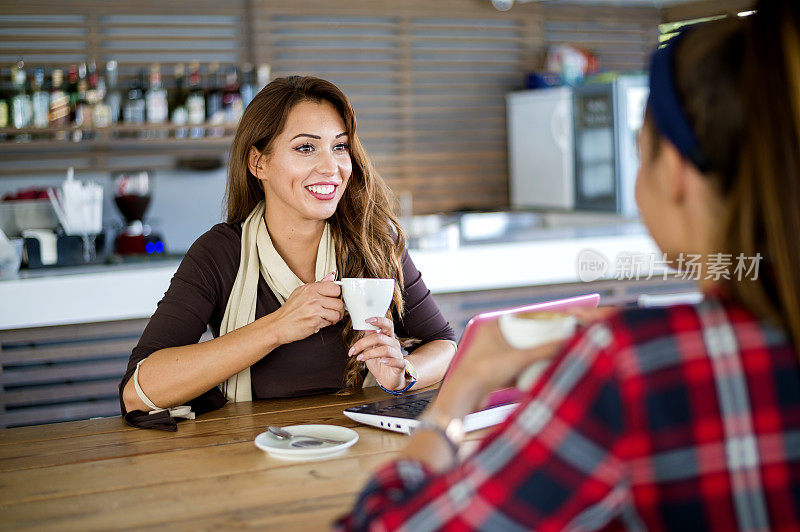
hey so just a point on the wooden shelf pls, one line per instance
(151, 136)
(42, 151)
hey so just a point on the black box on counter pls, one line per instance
(70, 250)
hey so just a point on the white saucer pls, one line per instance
(282, 450)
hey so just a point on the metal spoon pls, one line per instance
(306, 441)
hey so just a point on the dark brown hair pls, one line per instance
(739, 82)
(369, 240)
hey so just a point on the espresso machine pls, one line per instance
(132, 197)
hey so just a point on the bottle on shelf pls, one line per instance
(92, 88)
(3, 112)
(232, 97)
(59, 104)
(101, 111)
(83, 109)
(72, 92)
(178, 104)
(40, 99)
(20, 101)
(134, 107)
(156, 97)
(113, 96)
(215, 112)
(196, 102)
(157, 111)
(248, 88)
(21, 105)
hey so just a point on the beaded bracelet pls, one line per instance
(411, 373)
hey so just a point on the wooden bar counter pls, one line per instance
(101, 474)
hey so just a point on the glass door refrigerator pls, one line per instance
(607, 118)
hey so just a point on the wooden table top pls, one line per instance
(102, 474)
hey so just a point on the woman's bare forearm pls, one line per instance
(431, 361)
(174, 375)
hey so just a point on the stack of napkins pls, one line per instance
(80, 208)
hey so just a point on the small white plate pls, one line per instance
(283, 450)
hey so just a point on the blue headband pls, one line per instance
(666, 109)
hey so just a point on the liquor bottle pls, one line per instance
(231, 97)
(248, 88)
(72, 92)
(178, 104)
(113, 95)
(95, 91)
(40, 99)
(83, 109)
(3, 113)
(215, 112)
(92, 85)
(156, 98)
(157, 111)
(101, 111)
(21, 106)
(134, 109)
(196, 102)
(59, 104)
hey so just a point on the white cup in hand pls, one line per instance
(529, 329)
(366, 298)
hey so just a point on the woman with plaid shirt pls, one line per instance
(678, 418)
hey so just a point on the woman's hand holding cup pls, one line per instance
(488, 364)
(309, 308)
(380, 350)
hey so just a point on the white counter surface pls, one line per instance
(105, 293)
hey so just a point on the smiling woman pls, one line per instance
(304, 207)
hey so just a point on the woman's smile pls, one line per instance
(322, 191)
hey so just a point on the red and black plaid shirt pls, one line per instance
(678, 418)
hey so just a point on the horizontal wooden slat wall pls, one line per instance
(65, 372)
(428, 90)
(427, 79)
(622, 39)
(62, 373)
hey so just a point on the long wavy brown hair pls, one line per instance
(739, 82)
(369, 240)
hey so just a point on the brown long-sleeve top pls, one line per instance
(197, 297)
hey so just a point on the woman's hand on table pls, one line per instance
(381, 351)
(309, 308)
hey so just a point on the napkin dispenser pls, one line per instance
(40, 251)
(79, 210)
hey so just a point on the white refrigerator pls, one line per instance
(575, 149)
(540, 148)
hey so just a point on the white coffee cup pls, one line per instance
(526, 330)
(366, 298)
